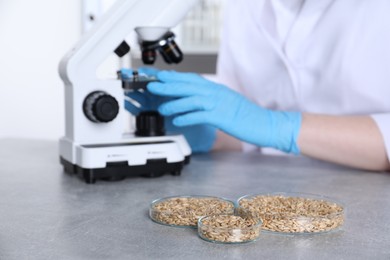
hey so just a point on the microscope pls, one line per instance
(96, 145)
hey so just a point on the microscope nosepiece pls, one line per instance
(166, 46)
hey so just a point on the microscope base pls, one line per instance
(130, 156)
(121, 170)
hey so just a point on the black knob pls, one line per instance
(122, 49)
(149, 123)
(100, 107)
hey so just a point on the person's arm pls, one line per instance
(348, 140)
(225, 142)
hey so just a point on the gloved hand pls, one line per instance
(200, 137)
(200, 101)
(140, 100)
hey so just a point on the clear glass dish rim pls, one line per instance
(221, 242)
(297, 194)
(152, 210)
(200, 225)
(189, 196)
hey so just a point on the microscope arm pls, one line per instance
(78, 67)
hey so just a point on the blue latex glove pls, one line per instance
(200, 101)
(145, 100)
(200, 137)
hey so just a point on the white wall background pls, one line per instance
(34, 35)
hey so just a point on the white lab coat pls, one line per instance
(319, 56)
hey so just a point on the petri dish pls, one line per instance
(294, 213)
(229, 229)
(184, 211)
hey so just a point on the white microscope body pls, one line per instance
(95, 147)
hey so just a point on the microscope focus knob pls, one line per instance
(100, 107)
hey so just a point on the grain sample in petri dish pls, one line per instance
(229, 229)
(184, 211)
(294, 213)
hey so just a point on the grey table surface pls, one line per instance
(47, 214)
